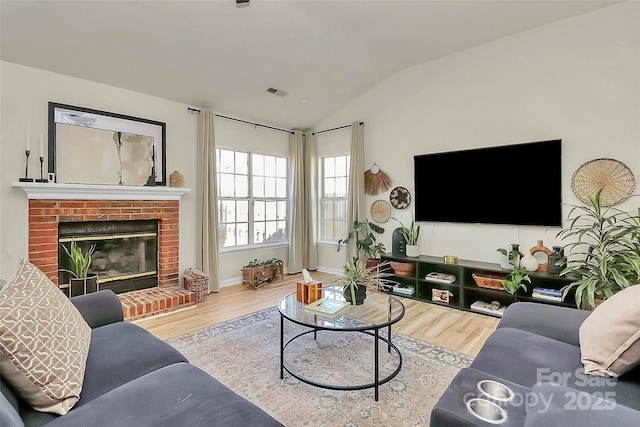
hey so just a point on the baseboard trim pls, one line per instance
(230, 282)
(336, 271)
(238, 280)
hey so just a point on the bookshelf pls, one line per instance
(463, 292)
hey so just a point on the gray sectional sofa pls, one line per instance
(535, 352)
(135, 379)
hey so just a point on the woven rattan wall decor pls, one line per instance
(375, 180)
(612, 176)
(380, 211)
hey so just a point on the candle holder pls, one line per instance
(26, 168)
(41, 179)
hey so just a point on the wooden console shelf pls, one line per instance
(463, 292)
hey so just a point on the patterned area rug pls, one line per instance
(244, 354)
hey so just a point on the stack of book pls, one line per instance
(548, 294)
(404, 289)
(326, 306)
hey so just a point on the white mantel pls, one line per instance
(55, 191)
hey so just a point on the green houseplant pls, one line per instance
(80, 261)
(363, 236)
(606, 250)
(357, 278)
(518, 276)
(411, 235)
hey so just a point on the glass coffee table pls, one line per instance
(378, 311)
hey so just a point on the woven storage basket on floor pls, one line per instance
(197, 282)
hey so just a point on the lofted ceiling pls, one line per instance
(213, 54)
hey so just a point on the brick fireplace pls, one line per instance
(44, 216)
(51, 204)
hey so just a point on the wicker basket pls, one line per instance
(197, 282)
(489, 281)
(402, 268)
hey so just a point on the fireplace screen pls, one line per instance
(125, 257)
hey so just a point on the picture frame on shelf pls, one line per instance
(127, 150)
(440, 295)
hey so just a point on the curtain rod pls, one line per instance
(332, 129)
(196, 111)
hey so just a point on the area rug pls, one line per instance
(244, 354)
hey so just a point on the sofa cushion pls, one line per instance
(121, 352)
(525, 358)
(8, 415)
(559, 323)
(44, 341)
(176, 395)
(610, 336)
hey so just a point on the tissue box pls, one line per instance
(307, 293)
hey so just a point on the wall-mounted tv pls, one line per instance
(518, 184)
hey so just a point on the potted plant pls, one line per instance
(81, 282)
(411, 235)
(606, 250)
(363, 236)
(260, 271)
(518, 276)
(357, 278)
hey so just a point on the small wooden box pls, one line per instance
(307, 293)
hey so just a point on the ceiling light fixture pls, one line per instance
(242, 3)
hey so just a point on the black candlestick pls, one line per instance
(41, 176)
(26, 168)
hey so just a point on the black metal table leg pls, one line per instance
(389, 337)
(281, 346)
(375, 355)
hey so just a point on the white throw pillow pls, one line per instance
(610, 336)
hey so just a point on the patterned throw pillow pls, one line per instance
(44, 341)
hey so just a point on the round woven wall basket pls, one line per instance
(612, 176)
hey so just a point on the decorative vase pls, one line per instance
(515, 255)
(541, 253)
(557, 260)
(504, 262)
(176, 179)
(413, 251)
(529, 262)
(399, 245)
(360, 293)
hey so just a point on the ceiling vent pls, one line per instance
(277, 92)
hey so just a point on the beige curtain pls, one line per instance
(302, 170)
(310, 201)
(207, 201)
(356, 209)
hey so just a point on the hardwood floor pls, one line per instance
(457, 330)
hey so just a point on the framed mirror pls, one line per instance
(89, 146)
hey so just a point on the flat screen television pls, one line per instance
(518, 184)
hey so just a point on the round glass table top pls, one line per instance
(377, 311)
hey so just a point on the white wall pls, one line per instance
(24, 102)
(244, 137)
(577, 79)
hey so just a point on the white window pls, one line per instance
(333, 211)
(252, 192)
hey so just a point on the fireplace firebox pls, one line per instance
(125, 257)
